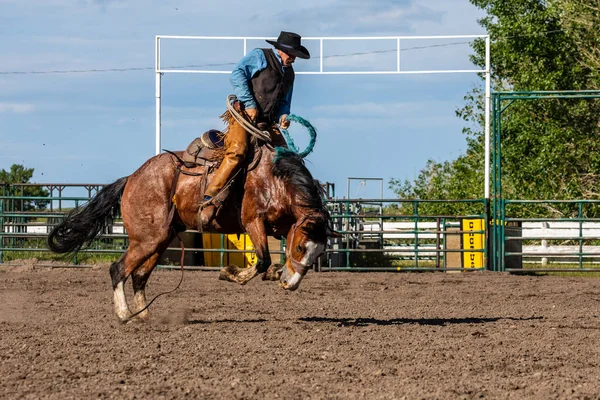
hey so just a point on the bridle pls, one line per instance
(298, 266)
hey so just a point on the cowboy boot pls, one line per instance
(207, 212)
(236, 144)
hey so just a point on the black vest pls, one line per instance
(269, 86)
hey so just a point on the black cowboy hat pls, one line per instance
(289, 43)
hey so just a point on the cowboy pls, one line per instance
(263, 82)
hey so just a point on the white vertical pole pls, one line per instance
(158, 100)
(321, 55)
(488, 89)
(245, 46)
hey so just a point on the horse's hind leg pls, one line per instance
(139, 278)
(117, 274)
(136, 255)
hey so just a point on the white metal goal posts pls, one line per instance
(322, 70)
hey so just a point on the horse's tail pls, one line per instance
(82, 225)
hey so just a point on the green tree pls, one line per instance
(14, 182)
(550, 148)
(581, 20)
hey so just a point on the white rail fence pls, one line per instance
(541, 233)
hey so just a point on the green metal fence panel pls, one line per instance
(23, 233)
(499, 216)
(409, 237)
(420, 243)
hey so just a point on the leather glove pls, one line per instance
(252, 113)
(283, 122)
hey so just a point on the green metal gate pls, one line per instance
(498, 218)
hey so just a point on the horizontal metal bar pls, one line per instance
(404, 217)
(550, 201)
(538, 97)
(45, 235)
(405, 250)
(398, 269)
(42, 250)
(322, 37)
(89, 266)
(582, 238)
(550, 254)
(415, 232)
(197, 249)
(574, 220)
(23, 215)
(55, 198)
(83, 185)
(331, 201)
(457, 71)
(547, 91)
(393, 72)
(341, 201)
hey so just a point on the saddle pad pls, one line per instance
(206, 147)
(213, 139)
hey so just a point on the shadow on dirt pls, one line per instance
(409, 321)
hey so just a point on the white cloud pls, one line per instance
(16, 108)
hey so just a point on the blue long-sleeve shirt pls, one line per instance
(247, 68)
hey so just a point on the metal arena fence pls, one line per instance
(376, 235)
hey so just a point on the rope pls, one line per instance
(292, 148)
(266, 136)
(249, 127)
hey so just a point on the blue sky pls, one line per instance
(95, 127)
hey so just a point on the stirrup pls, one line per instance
(203, 222)
(200, 221)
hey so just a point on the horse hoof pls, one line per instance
(229, 273)
(273, 273)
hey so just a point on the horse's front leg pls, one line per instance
(257, 232)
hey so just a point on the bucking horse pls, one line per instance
(272, 196)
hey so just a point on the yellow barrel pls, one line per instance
(229, 242)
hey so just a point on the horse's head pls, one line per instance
(304, 197)
(306, 241)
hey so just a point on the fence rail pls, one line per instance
(377, 234)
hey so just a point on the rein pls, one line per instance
(298, 266)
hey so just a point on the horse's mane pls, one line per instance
(309, 191)
(292, 170)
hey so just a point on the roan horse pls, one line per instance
(279, 198)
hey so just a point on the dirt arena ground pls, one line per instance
(340, 336)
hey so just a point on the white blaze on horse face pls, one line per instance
(313, 250)
(294, 281)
